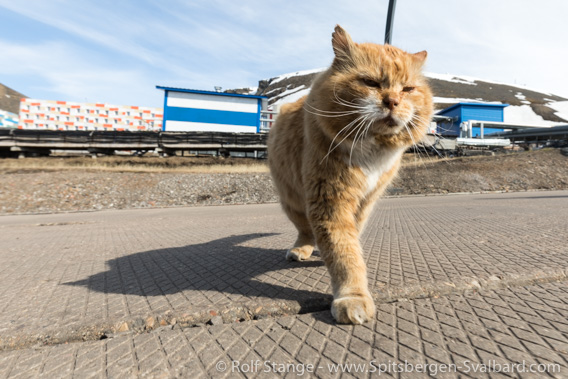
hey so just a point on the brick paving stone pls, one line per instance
(77, 269)
(456, 337)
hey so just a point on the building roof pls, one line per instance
(174, 89)
(475, 105)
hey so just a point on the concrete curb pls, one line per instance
(236, 313)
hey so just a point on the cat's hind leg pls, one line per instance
(304, 245)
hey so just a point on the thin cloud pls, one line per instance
(200, 44)
(100, 25)
(57, 70)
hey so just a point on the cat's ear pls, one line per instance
(342, 43)
(420, 58)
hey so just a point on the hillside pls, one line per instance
(10, 99)
(526, 105)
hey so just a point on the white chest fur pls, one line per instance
(375, 163)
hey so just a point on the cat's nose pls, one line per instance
(391, 102)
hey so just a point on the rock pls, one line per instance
(138, 324)
(216, 320)
(150, 323)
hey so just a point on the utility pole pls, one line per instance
(390, 19)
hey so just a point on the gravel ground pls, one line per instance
(41, 191)
(545, 169)
(63, 191)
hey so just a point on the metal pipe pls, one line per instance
(390, 20)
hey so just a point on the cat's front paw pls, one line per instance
(299, 254)
(353, 309)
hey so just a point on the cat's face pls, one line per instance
(379, 91)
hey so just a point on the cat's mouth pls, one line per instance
(390, 121)
(390, 125)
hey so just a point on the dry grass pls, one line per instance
(130, 164)
(172, 164)
(416, 160)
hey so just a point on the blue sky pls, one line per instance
(118, 51)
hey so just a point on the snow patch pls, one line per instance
(292, 95)
(452, 78)
(297, 73)
(522, 98)
(561, 107)
(470, 80)
(523, 114)
(455, 100)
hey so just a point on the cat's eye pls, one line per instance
(408, 89)
(371, 83)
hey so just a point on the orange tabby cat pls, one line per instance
(334, 152)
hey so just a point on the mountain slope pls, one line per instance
(526, 105)
(10, 99)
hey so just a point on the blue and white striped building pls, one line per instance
(206, 111)
(470, 111)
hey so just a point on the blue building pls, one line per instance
(462, 112)
(206, 111)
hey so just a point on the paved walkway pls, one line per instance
(465, 284)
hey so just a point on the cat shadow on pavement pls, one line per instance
(220, 270)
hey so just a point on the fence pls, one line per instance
(45, 141)
(267, 119)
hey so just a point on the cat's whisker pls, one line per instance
(439, 138)
(344, 129)
(341, 99)
(440, 155)
(414, 142)
(419, 120)
(331, 147)
(349, 105)
(355, 122)
(408, 129)
(369, 124)
(361, 134)
(330, 115)
(359, 108)
(360, 128)
(329, 112)
(322, 113)
(346, 103)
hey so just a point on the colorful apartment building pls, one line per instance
(67, 115)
